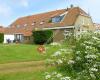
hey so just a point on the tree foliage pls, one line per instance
(1, 37)
(41, 37)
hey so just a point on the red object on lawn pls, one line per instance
(41, 49)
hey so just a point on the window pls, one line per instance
(57, 19)
(33, 23)
(41, 22)
(25, 25)
(27, 38)
(67, 33)
(18, 37)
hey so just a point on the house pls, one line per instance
(61, 22)
(97, 27)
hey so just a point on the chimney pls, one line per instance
(71, 6)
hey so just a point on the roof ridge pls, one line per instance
(42, 13)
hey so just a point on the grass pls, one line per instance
(17, 61)
(32, 75)
(17, 53)
(23, 76)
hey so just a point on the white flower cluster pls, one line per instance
(60, 56)
(71, 62)
(63, 50)
(95, 38)
(55, 44)
(65, 78)
(93, 76)
(88, 42)
(56, 76)
(93, 69)
(59, 75)
(96, 32)
(47, 76)
(88, 47)
(78, 58)
(58, 53)
(91, 56)
(83, 44)
(77, 52)
(59, 61)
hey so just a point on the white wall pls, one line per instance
(11, 37)
(85, 21)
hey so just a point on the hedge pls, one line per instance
(43, 37)
(1, 37)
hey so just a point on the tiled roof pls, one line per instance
(37, 19)
(26, 24)
(69, 19)
(17, 31)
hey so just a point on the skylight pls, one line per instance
(33, 23)
(41, 22)
(25, 25)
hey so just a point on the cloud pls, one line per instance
(5, 10)
(24, 3)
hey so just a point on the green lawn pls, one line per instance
(33, 75)
(12, 57)
(16, 53)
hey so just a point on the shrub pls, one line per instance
(1, 37)
(56, 76)
(85, 62)
(87, 57)
(41, 37)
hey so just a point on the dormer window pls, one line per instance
(33, 23)
(57, 19)
(41, 22)
(25, 25)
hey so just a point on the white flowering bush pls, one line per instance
(60, 57)
(56, 76)
(87, 57)
(84, 60)
(55, 44)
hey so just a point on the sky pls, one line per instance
(10, 10)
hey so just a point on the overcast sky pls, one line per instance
(10, 10)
